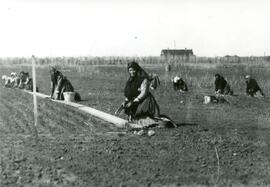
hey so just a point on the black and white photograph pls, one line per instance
(122, 93)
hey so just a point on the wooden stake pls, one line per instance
(218, 169)
(34, 96)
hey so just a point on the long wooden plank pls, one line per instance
(119, 122)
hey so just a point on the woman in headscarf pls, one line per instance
(24, 79)
(60, 84)
(25, 82)
(15, 79)
(140, 105)
(154, 81)
(179, 84)
(252, 87)
(56, 81)
(6, 81)
(222, 86)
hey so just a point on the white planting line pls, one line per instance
(119, 122)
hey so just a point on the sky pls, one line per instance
(133, 28)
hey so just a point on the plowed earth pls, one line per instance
(224, 144)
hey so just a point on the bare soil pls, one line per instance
(216, 144)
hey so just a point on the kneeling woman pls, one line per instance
(140, 105)
(60, 84)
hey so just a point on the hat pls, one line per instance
(247, 76)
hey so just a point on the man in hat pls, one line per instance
(252, 86)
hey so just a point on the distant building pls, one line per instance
(229, 56)
(168, 53)
(234, 58)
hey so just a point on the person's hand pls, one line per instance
(129, 104)
(136, 100)
(124, 103)
(218, 92)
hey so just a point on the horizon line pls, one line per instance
(124, 56)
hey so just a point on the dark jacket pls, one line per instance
(220, 84)
(143, 103)
(252, 87)
(180, 85)
(56, 82)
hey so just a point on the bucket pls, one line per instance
(207, 99)
(69, 96)
(211, 99)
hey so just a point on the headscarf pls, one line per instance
(247, 77)
(134, 83)
(13, 74)
(55, 75)
(176, 79)
(217, 75)
(140, 71)
(220, 78)
(52, 69)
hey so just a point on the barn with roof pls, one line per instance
(168, 53)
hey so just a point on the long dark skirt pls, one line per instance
(147, 114)
(227, 90)
(62, 86)
(65, 87)
(146, 108)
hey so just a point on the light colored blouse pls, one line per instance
(144, 90)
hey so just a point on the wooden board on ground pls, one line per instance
(119, 122)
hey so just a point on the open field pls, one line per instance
(224, 144)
